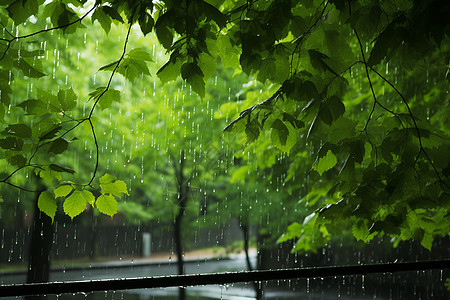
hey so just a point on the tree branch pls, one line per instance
(248, 111)
(299, 39)
(419, 137)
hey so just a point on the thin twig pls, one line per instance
(97, 152)
(302, 37)
(19, 187)
(375, 100)
(248, 111)
(89, 118)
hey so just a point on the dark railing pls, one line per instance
(217, 278)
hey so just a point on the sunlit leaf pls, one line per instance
(146, 23)
(58, 146)
(140, 54)
(76, 203)
(61, 169)
(63, 190)
(110, 185)
(47, 204)
(169, 71)
(107, 204)
(33, 107)
(27, 69)
(104, 20)
(67, 99)
(108, 97)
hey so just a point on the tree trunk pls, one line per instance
(93, 235)
(256, 285)
(40, 247)
(183, 190)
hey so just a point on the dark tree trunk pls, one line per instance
(256, 285)
(40, 247)
(183, 191)
(93, 236)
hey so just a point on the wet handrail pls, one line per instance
(87, 286)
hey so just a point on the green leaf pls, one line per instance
(49, 174)
(21, 10)
(294, 231)
(283, 135)
(108, 97)
(112, 12)
(61, 169)
(427, 241)
(207, 64)
(361, 232)
(17, 160)
(109, 67)
(279, 132)
(109, 185)
(298, 26)
(19, 130)
(337, 45)
(58, 146)
(325, 163)
(75, 204)
(48, 98)
(11, 143)
(33, 107)
(146, 23)
(107, 204)
(47, 204)
(63, 190)
(67, 99)
(140, 54)
(388, 41)
(27, 69)
(266, 70)
(163, 31)
(170, 71)
(194, 76)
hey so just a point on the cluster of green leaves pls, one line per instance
(76, 199)
(373, 153)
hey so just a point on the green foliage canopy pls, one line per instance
(356, 94)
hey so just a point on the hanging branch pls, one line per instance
(247, 112)
(89, 118)
(416, 127)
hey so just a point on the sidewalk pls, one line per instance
(158, 258)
